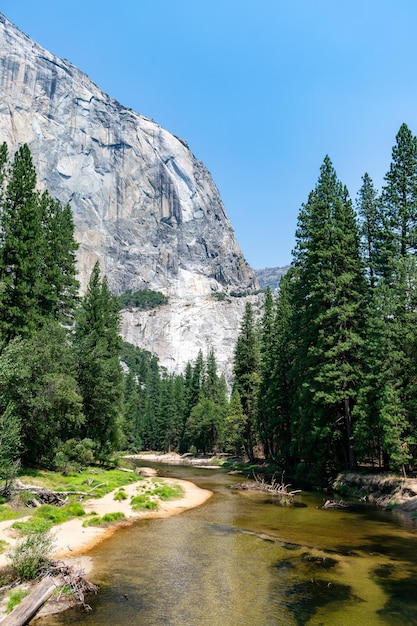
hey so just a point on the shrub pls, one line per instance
(32, 525)
(3, 545)
(168, 492)
(142, 299)
(6, 513)
(120, 495)
(31, 554)
(106, 520)
(73, 455)
(141, 502)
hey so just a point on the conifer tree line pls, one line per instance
(333, 362)
(65, 398)
(323, 381)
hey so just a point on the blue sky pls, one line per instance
(261, 90)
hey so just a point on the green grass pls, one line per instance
(143, 502)
(105, 520)
(7, 513)
(45, 516)
(168, 492)
(3, 545)
(120, 495)
(15, 598)
(32, 526)
(100, 481)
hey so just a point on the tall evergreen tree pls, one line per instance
(246, 376)
(37, 251)
(328, 298)
(20, 249)
(98, 345)
(371, 227)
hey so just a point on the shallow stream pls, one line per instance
(241, 560)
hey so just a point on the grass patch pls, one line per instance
(33, 525)
(7, 513)
(168, 492)
(15, 598)
(120, 495)
(105, 520)
(143, 502)
(3, 545)
(94, 480)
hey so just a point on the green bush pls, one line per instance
(142, 299)
(105, 520)
(6, 513)
(141, 502)
(31, 554)
(33, 525)
(120, 495)
(168, 492)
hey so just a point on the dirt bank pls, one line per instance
(384, 490)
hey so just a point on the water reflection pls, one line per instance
(240, 560)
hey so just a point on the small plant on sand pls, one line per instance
(6, 513)
(32, 525)
(120, 495)
(105, 520)
(3, 545)
(15, 598)
(31, 554)
(168, 492)
(143, 501)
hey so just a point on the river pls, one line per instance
(242, 560)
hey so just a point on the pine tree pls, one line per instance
(246, 376)
(20, 249)
(328, 298)
(37, 251)
(267, 408)
(98, 346)
(371, 227)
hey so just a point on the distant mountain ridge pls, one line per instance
(271, 276)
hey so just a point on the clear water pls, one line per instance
(241, 560)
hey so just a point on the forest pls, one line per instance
(324, 380)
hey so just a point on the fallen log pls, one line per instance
(31, 604)
(47, 496)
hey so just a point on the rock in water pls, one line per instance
(143, 205)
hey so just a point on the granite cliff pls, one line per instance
(143, 205)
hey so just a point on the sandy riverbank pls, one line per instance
(73, 541)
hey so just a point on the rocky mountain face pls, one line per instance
(143, 205)
(271, 276)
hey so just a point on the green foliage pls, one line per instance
(168, 492)
(33, 525)
(7, 513)
(14, 598)
(143, 501)
(106, 520)
(31, 554)
(9, 443)
(3, 545)
(144, 299)
(37, 251)
(37, 377)
(246, 376)
(120, 495)
(74, 455)
(100, 379)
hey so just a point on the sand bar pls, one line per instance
(73, 541)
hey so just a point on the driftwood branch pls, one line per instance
(274, 487)
(31, 604)
(48, 496)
